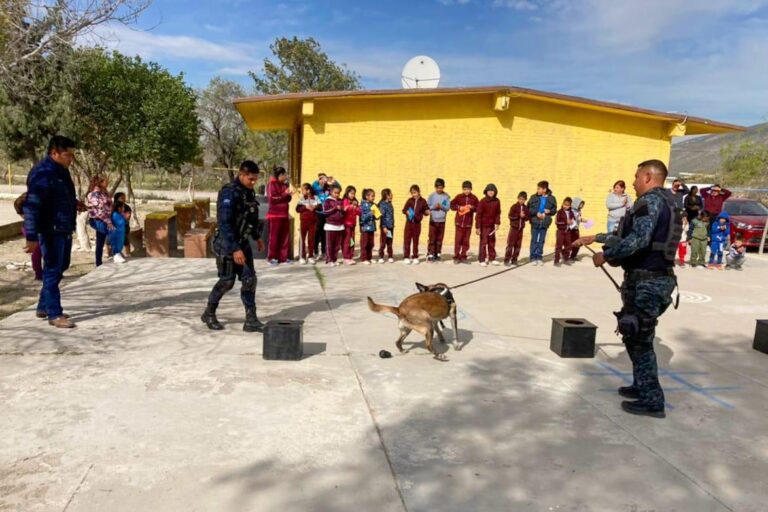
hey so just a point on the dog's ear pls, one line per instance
(422, 287)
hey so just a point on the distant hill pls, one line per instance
(702, 154)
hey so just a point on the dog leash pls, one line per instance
(618, 288)
(496, 273)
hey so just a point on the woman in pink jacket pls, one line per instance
(279, 198)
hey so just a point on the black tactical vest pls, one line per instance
(660, 254)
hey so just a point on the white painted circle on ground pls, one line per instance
(694, 298)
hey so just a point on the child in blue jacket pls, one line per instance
(719, 234)
(387, 225)
(117, 236)
(368, 210)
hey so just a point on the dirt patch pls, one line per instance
(18, 288)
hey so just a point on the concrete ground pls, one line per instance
(142, 408)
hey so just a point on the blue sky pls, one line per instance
(704, 57)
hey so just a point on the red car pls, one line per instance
(748, 218)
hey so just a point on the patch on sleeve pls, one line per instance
(226, 201)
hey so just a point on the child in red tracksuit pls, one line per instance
(465, 206)
(333, 211)
(308, 223)
(488, 221)
(351, 212)
(518, 216)
(566, 225)
(415, 209)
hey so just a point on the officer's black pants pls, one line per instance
(228, 271)
(646, 299)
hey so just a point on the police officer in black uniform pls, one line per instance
(644, 247)
(238, 223)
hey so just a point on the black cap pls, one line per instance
(466, 184)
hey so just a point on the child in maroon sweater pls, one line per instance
(518, 216)
(415, 209)
(279, 197)
(488, 221)
(566, 226)
(333, 210)
(465, 205)
(308, 223)
(351, 212)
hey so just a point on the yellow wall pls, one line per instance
(395, 142)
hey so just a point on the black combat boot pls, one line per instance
(252, 323)
(643, 409)
(209, 318)
(629, 392)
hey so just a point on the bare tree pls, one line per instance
(34, 29)
(223, 130)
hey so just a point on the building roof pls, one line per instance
(279, 111)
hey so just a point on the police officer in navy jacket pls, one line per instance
(238, 224)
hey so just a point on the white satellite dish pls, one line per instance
(420, 72)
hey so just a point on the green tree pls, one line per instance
(224, 135)
(131, 113)
(745, 164)
(302, 66)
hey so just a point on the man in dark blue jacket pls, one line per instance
(50, 211)
(238, 224)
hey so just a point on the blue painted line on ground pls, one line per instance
(704, 391)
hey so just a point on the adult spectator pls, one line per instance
(679, 191)
(693, 205)
(714, 197)
(37, 255)
(100, 213)
(279, 193)
(49, 220)
(618, 204)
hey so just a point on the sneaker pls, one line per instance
(430, 258)
(495, 263)
(391, 260)
(288, 262)
(439, 257)
(456, 262)
(507, 263)
(380, 260)
(272, 263)
(558, 264)
(118, 258)
(366, 262)
(352, 262)
(302, 261)
(312, 261)
(483, 264)
(407, 261)
(415, 261)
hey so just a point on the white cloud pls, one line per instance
(518, 5)
(153, 45)
(453, 2)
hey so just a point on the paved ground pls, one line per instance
(140, 408)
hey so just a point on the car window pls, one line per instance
(745, 208)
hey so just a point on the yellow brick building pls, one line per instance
(509, 136)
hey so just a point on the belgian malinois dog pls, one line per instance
(422, 312)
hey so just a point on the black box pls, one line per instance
(283, 340)
(573, 337)
(761, 336)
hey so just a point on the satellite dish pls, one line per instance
(420, 72)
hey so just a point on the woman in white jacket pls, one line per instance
(618, 204)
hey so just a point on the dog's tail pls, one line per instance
(380, 308)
